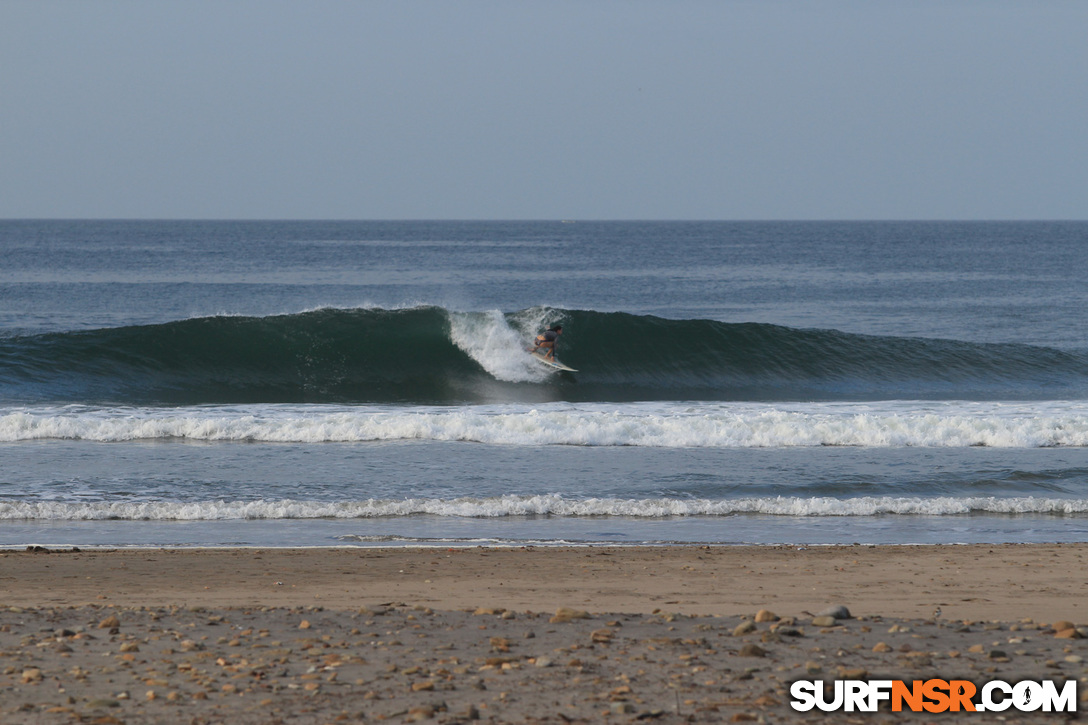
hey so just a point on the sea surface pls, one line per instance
(185, 383)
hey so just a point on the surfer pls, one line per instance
(547, 340)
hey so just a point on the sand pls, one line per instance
(458, 635)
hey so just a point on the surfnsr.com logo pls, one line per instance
(934, 696)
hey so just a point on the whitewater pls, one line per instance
(952, 424)
(537, 506)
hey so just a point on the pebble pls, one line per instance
(837, 611)
(601, 635)
(744, 628)
(566, 614)
(217, 665)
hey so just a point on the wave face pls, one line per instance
(429, 355)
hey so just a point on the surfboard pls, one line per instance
(553, 364)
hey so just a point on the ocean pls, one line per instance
(269, 384)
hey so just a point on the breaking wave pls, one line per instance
(661, 425)
(539, 505)
(430, 355)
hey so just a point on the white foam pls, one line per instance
(488, 339)
(665, 425)
(539, 505)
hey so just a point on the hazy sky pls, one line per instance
(542, 109)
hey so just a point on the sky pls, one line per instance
(544, 109)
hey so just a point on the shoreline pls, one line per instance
(976, 581)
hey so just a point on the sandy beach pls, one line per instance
(521, 634)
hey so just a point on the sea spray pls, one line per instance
(489, 339)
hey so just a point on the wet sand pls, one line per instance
(456, 635)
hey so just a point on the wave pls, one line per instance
(430, 355)
(715, 425)
(551, 505)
